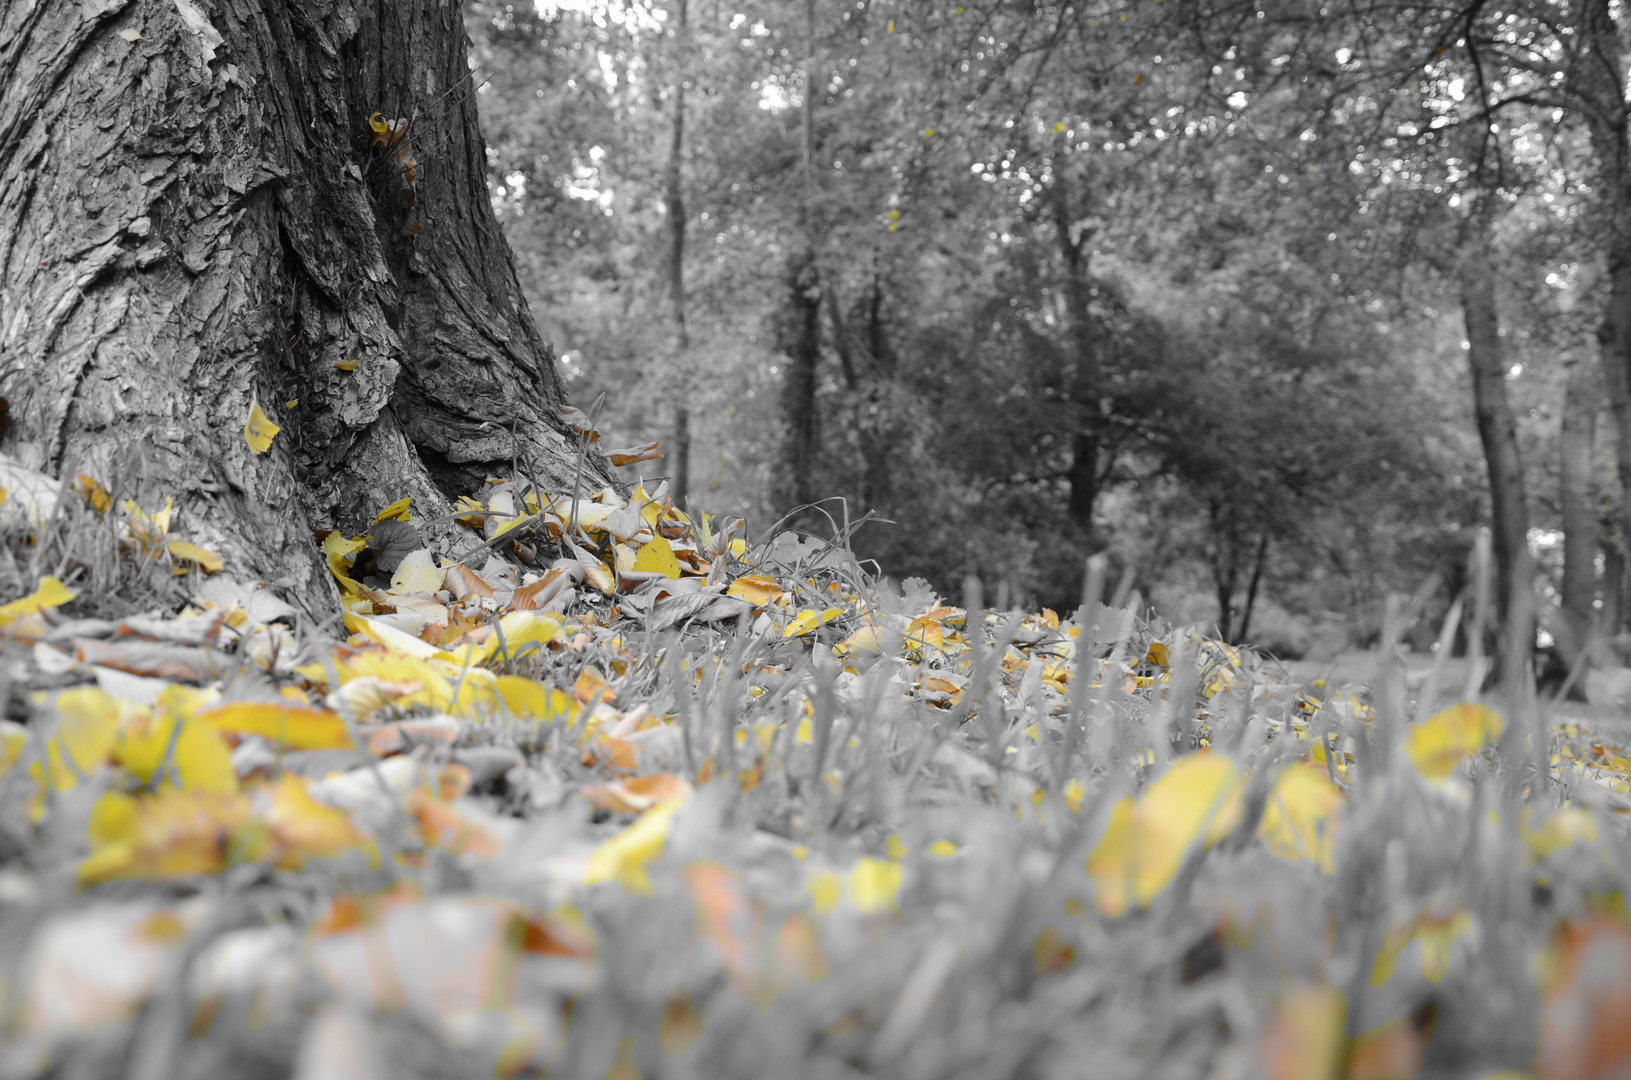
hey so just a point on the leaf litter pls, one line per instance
(618, 792)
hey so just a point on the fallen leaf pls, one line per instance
(50, 593)
(185, 556)
(1446, 739)
(1198, 800)
(1585, 1012)
(1299, 818)
(624, 857)
(287, 725)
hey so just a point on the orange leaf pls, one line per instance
(1585, 1016)
(634, 454)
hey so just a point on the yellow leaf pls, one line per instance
(51, 593)
(945, 849)
(657, 557)
(624, 857)
(291, 403)
(1445, 739)
(890, 29)
(809, 619)
(12, 737)
(184, 556)
(864, 640)
(825, 888)
(755, 589)
(1304, 1040)
(348, 364)
(289, 726)
(1199, 799)
(305, 829)
(1299, 819)
(397, 511)
(1560, 830)
(873, 885)
(1436, 934)
(202, 760)
(1059, 125)
(529, 700)
(87, 727)
(259, 430)
(393, 639)
(417, 573)
(170, 833)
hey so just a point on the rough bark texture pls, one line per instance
(674, 188)
(1497, 427)
(193, 217)
(1596, 79)
(1579, 510)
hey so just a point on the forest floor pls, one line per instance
(645, 798)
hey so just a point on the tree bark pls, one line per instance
(1596, 79)
(1258, 563)
(1083, 472)
(193, 218)
(680, 484)
(799, 336)
(1580, 539)
(1497, 427)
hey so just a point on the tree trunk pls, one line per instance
(799, 336)
(1258, 563)
(1580, 540)
(193, 218)
(1497, 427)
(1083, 472)
(680, 484)
(1596, 79)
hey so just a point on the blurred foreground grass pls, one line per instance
(676, 805)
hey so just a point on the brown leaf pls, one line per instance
(633, 455)
(153, 658)
(462, 582)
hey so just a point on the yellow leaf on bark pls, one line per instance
(259, 430)
(185, 556)
(397, 511)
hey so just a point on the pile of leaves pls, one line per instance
(619, 794)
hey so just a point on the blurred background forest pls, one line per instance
(1277, 304)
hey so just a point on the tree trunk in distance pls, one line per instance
(799, 335)
(1580, 539)
(1497, 427)
(1083, 472)
(1596, 78)
(680, 484)
(1258, 563)
(193, 218)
